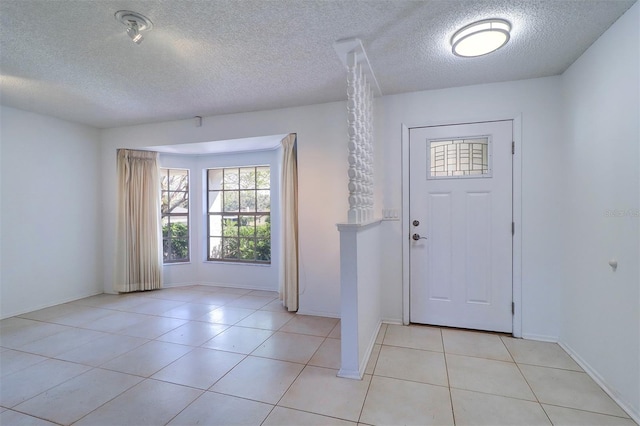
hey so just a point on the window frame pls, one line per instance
(256, 214)
(166, 172)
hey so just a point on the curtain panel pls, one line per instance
(289, 195)
(138, 264)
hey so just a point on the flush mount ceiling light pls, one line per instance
(480, 38)
(135, 23)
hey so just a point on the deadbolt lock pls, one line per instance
(416, 222)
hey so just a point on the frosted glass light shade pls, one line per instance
(480, 38)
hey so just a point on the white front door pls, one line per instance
(460, 214)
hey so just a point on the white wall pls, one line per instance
(51, 251)
(538, 102)
(601, 320)
(322, 171)
(198, 270)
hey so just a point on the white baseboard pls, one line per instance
(540, 337)
(634, 413)
(318, 313)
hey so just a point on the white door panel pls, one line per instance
(461, 267)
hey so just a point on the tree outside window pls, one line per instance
(174, 186)
(239, 213)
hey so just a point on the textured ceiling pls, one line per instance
(71, 58)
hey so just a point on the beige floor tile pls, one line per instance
(155, 306)
(544, 354)
(239, 339)
(561, 416)
(62, 342)
(571, 389)
(82, 316)
(336, 333)
(13, 418)
(399, 402)
(412, 364)
(101, 350)
(72, 400)
(306, 324)
(216, 409)
(264, 293)
(266, 320)
(47, 314)
(190, 311)
(289, 347)
(275, 306)
(148, 403)
(281, 416)
(381, 332)
(259, 379)
(232, 290)
(250, 302)
(217, 298)
(471, 343)
(12, 361)
(487, 376)
(226, 315)
(30, 381)
(327, 355)
(200, 368)
(319, 390)
(414, 336)
(115, 322)
(147, 359)
(99, 300)
(177, 294)
(153, 327)
(193, 333)
(373, 359)
(18, 332)
(473, 408)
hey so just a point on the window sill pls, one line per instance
(222, 262)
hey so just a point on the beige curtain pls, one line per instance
(289, 196)
(138, 263)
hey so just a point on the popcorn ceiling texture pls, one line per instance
(71, 58)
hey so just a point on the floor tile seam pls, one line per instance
(408, 347)
(245, 356)
(535, 401)
(555, 368)
(584, 411)
(36, 417)
(478, 357)
(446, 368)
(486, 359)
(412, 381)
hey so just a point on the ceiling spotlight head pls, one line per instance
(480, 38)
(135, 23)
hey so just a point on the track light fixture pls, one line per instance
(135, 23)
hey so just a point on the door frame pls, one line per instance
(517, 212)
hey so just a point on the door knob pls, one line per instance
(417, 237)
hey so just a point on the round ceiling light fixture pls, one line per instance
(480, 38)
(135, 23)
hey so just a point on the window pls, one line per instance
(174, 186)
(239, 206)
(459, 158)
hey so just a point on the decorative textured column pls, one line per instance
(361, 86)
(360, 146)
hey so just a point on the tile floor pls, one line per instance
(220, 356)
